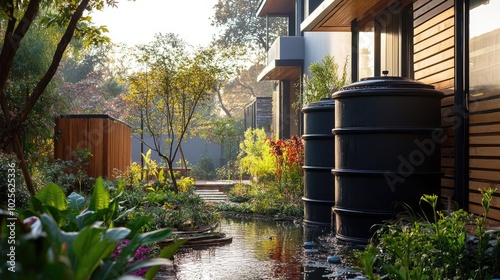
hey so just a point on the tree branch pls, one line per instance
(12, 39)
(245, 86)
(219, 97)
(56, 59)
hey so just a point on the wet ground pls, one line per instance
(263, 249)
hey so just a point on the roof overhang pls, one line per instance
(282, 69)
(276, 8)
(337, 15)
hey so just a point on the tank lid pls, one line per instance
(386, 82)
(324, 102)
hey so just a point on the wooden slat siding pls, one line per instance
(96, 144)
(481, 106)
(434, 64)
(432, 55)
(492, 215)
(492, 176)
(484, 128)
(435, 70)
(127, 148)
(484, 151)
(475, 207)
(420, 3)
(429, 10)
(485, 118)
(484, 140)
(108, 140)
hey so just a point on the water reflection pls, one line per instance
(263, 250)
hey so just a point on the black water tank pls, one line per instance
(387, 137)
(318, 162)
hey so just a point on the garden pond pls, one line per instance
(263, 249)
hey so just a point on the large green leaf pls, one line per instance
(117, 234)
(147, 263)
(137, 223)
(76, 202)
(90, 248)
(168, 253)
(152, 236)
(85, 219)
(125, 213)
(87, 238)
(53, 195)
(36, 206)
(56, 235)
(100, 196)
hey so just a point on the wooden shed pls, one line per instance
(108, 139)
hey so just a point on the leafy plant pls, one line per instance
(241, 193)
(439, 247)
(324, 80)
(150, 170)
(255, 156)
(289, 155)
(186, 184)
(205, 169)
(59, 240)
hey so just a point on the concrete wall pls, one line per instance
(193, 149)
(319, 44)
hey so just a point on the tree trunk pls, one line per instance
(18, 149)
(226, 111)
(12, 40)
(172, 175)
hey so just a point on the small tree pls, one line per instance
(177, 82)
(324, 80)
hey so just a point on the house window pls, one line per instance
(386, 43)
(366, 52)
(484, 45)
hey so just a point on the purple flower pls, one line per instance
(139, 255)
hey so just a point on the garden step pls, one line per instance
(211, 195)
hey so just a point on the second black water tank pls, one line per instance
(318, 161)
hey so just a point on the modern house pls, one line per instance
(258, 114)
(453, 45)
(289, 57)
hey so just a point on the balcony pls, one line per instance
(284, 59)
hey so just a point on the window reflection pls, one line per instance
(366, 54)
(484, 45)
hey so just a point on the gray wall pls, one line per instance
(319, 44)
(193, 149)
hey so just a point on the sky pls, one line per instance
(136, 22)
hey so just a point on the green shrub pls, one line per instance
(63, 237)
(205, 169)
(186, 184)
(241, 193)
(255, 156)
(442, 249)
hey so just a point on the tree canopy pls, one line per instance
(177, 82)
(242, 27)
(17, 19)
